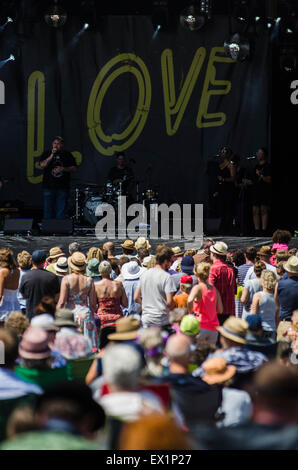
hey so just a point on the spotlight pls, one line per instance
(86, 25)
(288, 59)
(257, 19)
(160, 17)
(9, 20)
(55, 16)
(11, 57)
(195, 16)
(238, 48)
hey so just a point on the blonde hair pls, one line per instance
(94, 252)
(202, 270)
(295, 320)
(151, 262)
(18, 322)
(176, 315)
(24, 260)
(105, 269)
(269, 280)
(190, 252)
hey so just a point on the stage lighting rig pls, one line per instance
(55, 16)
(196, 15)
(237, 48)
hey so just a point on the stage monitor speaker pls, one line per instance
(57, 226)
(211, 226)
(17, 226)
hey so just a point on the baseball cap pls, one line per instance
(254, 322)
(186, 280)
(190, 325)
(39, 256)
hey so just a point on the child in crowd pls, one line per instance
(185, 288)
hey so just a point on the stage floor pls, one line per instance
(30, 243)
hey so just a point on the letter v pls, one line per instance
(173, 107)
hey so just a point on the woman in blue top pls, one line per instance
(264, 303)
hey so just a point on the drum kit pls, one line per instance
(87, 197)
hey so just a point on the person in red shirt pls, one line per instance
(223, 278)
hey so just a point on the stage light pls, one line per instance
(257, 18)
(193, 18)
(55, 16)
(9, 20)
(238, 48)
(86, 25)
(11, 57)
(160, 17)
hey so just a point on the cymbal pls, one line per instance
(87, 185)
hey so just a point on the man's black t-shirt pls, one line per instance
(35, 285)
(119, 173)
(62, 180)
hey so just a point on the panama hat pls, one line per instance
(234, 329)
(177, 251)
(126, 329)
(220, 248)
(61, 266)
(291, 266)
(142, 243)
(217, 371)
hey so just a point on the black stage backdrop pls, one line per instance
(169, 101)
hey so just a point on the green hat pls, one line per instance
(92, 268)
(190, 325)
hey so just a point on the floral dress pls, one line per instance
(78, 303)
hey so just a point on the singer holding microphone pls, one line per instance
(57, 164)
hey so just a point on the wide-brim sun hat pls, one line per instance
(92, 268)
(132, 270)
(128, 245)
(55, 253)
(77, 262)
(35, 344)
(127, 328)
(44, 321)
(65, 317)
(219, 248)
(234, 329)
(177, 251)
(217, 371)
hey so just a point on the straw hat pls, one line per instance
(132, 270)
(291, 265)
(55, 253)
(234, 329)
(142, 243)
(77, 262)
(126, 328)
(128, 245)
(146, 261)
(35, 344)
(177, 251)
(65, 317)
(220, 248)
(61, 266)
(217, 371)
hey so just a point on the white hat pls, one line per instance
(291, 266)
(142, 243)
(62, 265)
(131, 270)
(146, 261)
(220, 248)
(44, 321)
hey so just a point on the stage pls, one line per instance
(30, 243)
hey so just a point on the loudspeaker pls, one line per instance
(57, 227)
(13, 226)
(211, 226)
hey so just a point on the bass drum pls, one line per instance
(90, 209)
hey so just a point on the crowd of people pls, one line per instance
(150, 349)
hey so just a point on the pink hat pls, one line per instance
(34, 344)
